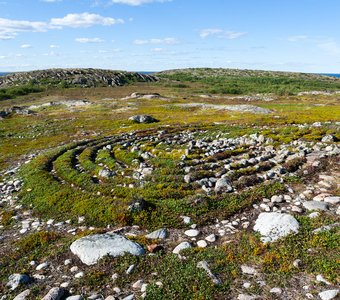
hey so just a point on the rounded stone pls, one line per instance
(93, 247)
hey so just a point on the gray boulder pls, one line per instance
(16, 279)
(223, 185)
(273, 226)
(143, 119)
(93, 247)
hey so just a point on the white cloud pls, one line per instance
(331, 47)
(220, 33)
(54, 46)
(297, 38)
(89, 40)
(138, 2)
(165, 41)
(157, 49)
(10, 28)
(84, 20)
(25, 46)
(51, 1)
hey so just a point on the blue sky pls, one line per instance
(153, 35)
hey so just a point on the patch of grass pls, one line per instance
(224, 81)
(13, 92)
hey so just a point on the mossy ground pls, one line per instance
(61, 130)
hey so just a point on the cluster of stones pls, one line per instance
(272, 218)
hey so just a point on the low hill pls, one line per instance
(74, 77)
(234, 81)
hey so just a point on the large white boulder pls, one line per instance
(93, 247)
(273, 226)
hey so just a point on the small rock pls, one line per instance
(320, 278)
(75, 297)
(23, 295)
(276, 290)
(315, 205)
(297, 263)
(180, 247)
(130, 269)
(202, 244)
(247, 285)
(245, 297)
(42, 266)
(130, 297)
(138, 284)
(54, 294)
(276, 199)
(192, 232)
(186, 220)
(211, 238)
(79, 275)
(204, 265)
(159, 234)
(74, 269)
(329, 294)
(248, 270)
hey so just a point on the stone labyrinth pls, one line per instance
(161, 176)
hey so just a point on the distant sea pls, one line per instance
(3, 73)
(146, 72)
(333, 75)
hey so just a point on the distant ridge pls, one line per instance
(74, 77)
(212, 72)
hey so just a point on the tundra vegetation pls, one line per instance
(73, 163)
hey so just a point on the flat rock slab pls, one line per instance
(315, 205)
(273, 226)
(332, 199)
(93, 247)
(240, 108)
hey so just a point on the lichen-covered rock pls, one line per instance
(93, 247)
(273, 226)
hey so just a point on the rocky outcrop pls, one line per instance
(74, 77)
